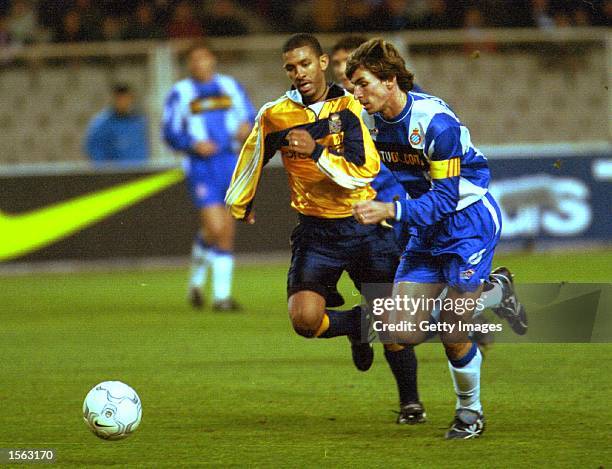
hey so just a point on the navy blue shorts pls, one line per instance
(209, 178)
(324, 248)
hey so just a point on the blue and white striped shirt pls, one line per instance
(431, 154)
(212, 110)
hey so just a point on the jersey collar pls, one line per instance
(402, 115)
(334, 92)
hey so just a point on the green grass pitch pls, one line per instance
(244, 390)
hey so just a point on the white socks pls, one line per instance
(222, 271)
(466, 379)
(200, 262)
(221, 263)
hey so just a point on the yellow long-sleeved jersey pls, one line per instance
(325, 184)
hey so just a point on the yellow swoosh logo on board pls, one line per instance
(26, 232)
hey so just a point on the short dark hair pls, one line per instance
(121, 88)
(199, 44)
(302, 40)
(349, 43)
(383, 60)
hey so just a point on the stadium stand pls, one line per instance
(516, 94)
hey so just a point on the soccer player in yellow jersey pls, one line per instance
(331, 160)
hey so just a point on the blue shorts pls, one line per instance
(321, 249)
(209, 178)
(458, 251)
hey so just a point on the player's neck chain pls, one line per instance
(320, 98)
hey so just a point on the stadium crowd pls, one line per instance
(32, 21)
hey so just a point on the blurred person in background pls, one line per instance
(184, 23)
(71, 29)
(541, 15)
(314, 16)
(224, 20)
(91, 17)
(143, 25)
(582, 18)
(207, 117)
(22, 22)
(358, 16)
(111, 29)
(439, 16)
(392, 15)
(5, 35)
(605, 18)
(118, 134)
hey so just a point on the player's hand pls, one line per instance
(250, 218)
(205, 148)
(371, 212)
(243, 131)
(300, 141)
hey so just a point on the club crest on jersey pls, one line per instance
(335, 123)
(415, 137)
(467, 274)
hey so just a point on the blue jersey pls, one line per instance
(456, 224)
(115, 138)
(430, 153)
(212, 110)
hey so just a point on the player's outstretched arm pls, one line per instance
(242, 189)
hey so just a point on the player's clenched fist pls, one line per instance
(205, 148)
(300, 141)
(370, 212)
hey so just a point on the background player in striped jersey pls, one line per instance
(330, 160)
(207, 117)
(458, 222)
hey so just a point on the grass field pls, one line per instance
(244, 390)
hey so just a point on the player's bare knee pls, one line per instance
(456, 350)
(305, 326)
(305, 320)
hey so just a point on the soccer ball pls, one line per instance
(112, 410)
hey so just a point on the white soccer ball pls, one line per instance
(112, 410)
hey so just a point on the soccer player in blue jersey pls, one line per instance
(388, 189)
(207, 117)
(457, 221)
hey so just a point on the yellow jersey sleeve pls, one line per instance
(241, 191)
